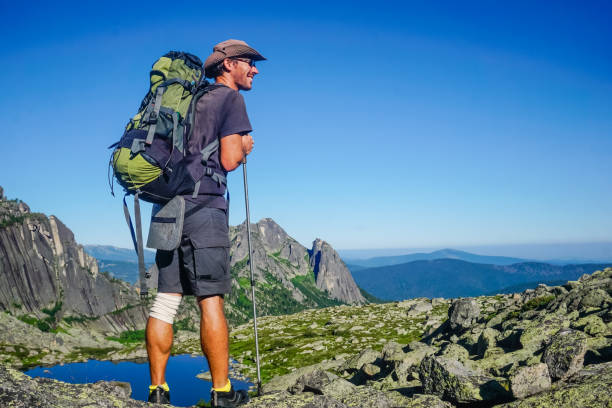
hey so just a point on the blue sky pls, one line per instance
(378, 125)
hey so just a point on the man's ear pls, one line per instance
(228, 64)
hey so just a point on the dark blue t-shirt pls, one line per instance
(220, 112)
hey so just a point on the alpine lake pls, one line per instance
(185, 388)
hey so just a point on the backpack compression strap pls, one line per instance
(138, 247)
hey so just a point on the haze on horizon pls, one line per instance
(412, 125)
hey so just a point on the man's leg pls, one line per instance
(158, 337)
(215, 338)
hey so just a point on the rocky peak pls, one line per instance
(332, 275)
(42, 267)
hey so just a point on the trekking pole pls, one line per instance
(248, 223)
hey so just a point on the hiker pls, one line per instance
(200, 265)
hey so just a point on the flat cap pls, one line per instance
(229, 49)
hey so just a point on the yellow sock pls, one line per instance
(164, 387)
(227, 387)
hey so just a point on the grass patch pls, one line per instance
(129, 337)
(306, 284)
(41, 325)
(538, 303)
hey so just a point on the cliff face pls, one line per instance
(332, 275)
(278, 254)
(45, 273)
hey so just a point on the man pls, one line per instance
(200, 266)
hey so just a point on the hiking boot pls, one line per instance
(229, 399)
(160, 396)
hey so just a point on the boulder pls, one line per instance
(528, 381)
(419, 308)
(455, 352)
(356, 362)
(284, 382)
(462, 313)
(565, 354)
(594, 298)
(427, 401)
(313, 381)
(535, 333)
(392, 351)
(591, 324)
(403, 370)
(451, 380)
(590, 387)
(487, 339)
(370, 370)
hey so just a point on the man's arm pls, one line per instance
(233, 149)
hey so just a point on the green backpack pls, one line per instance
(151, 160)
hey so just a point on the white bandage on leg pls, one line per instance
(164, 307)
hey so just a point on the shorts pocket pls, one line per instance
(208, 228)
(211, 264)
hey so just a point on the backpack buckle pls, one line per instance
(138, 145)
(209, 171)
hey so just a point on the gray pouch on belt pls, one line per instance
(167, 225)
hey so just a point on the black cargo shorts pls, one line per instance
(200, 265)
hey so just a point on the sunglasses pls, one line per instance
(247, 60)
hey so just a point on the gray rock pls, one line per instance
(332, 275)
(455, 352)
(24, 208)
(565, 354)
(427, 401)
(528, 381)
(462, 314)
(588, 388)
(20, 391)
(591, 324)
(488, 339)
(594, 298)
(370, 370)
(284, 382)
(323, 401)
(451, 380)
(313, 381)
(364, 357)
(392, 351)
(421, 307)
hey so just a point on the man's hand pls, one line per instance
(247, 144)
(233, 149)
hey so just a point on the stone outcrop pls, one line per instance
(564, 356)
(42, 266)
(530, 380)
(48, 281)
(20, 391)
(332, 275)
(462, 313)
(281, 256)
(451, 380)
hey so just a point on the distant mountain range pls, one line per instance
(455, 278)
(441, 254)
(355, 263)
